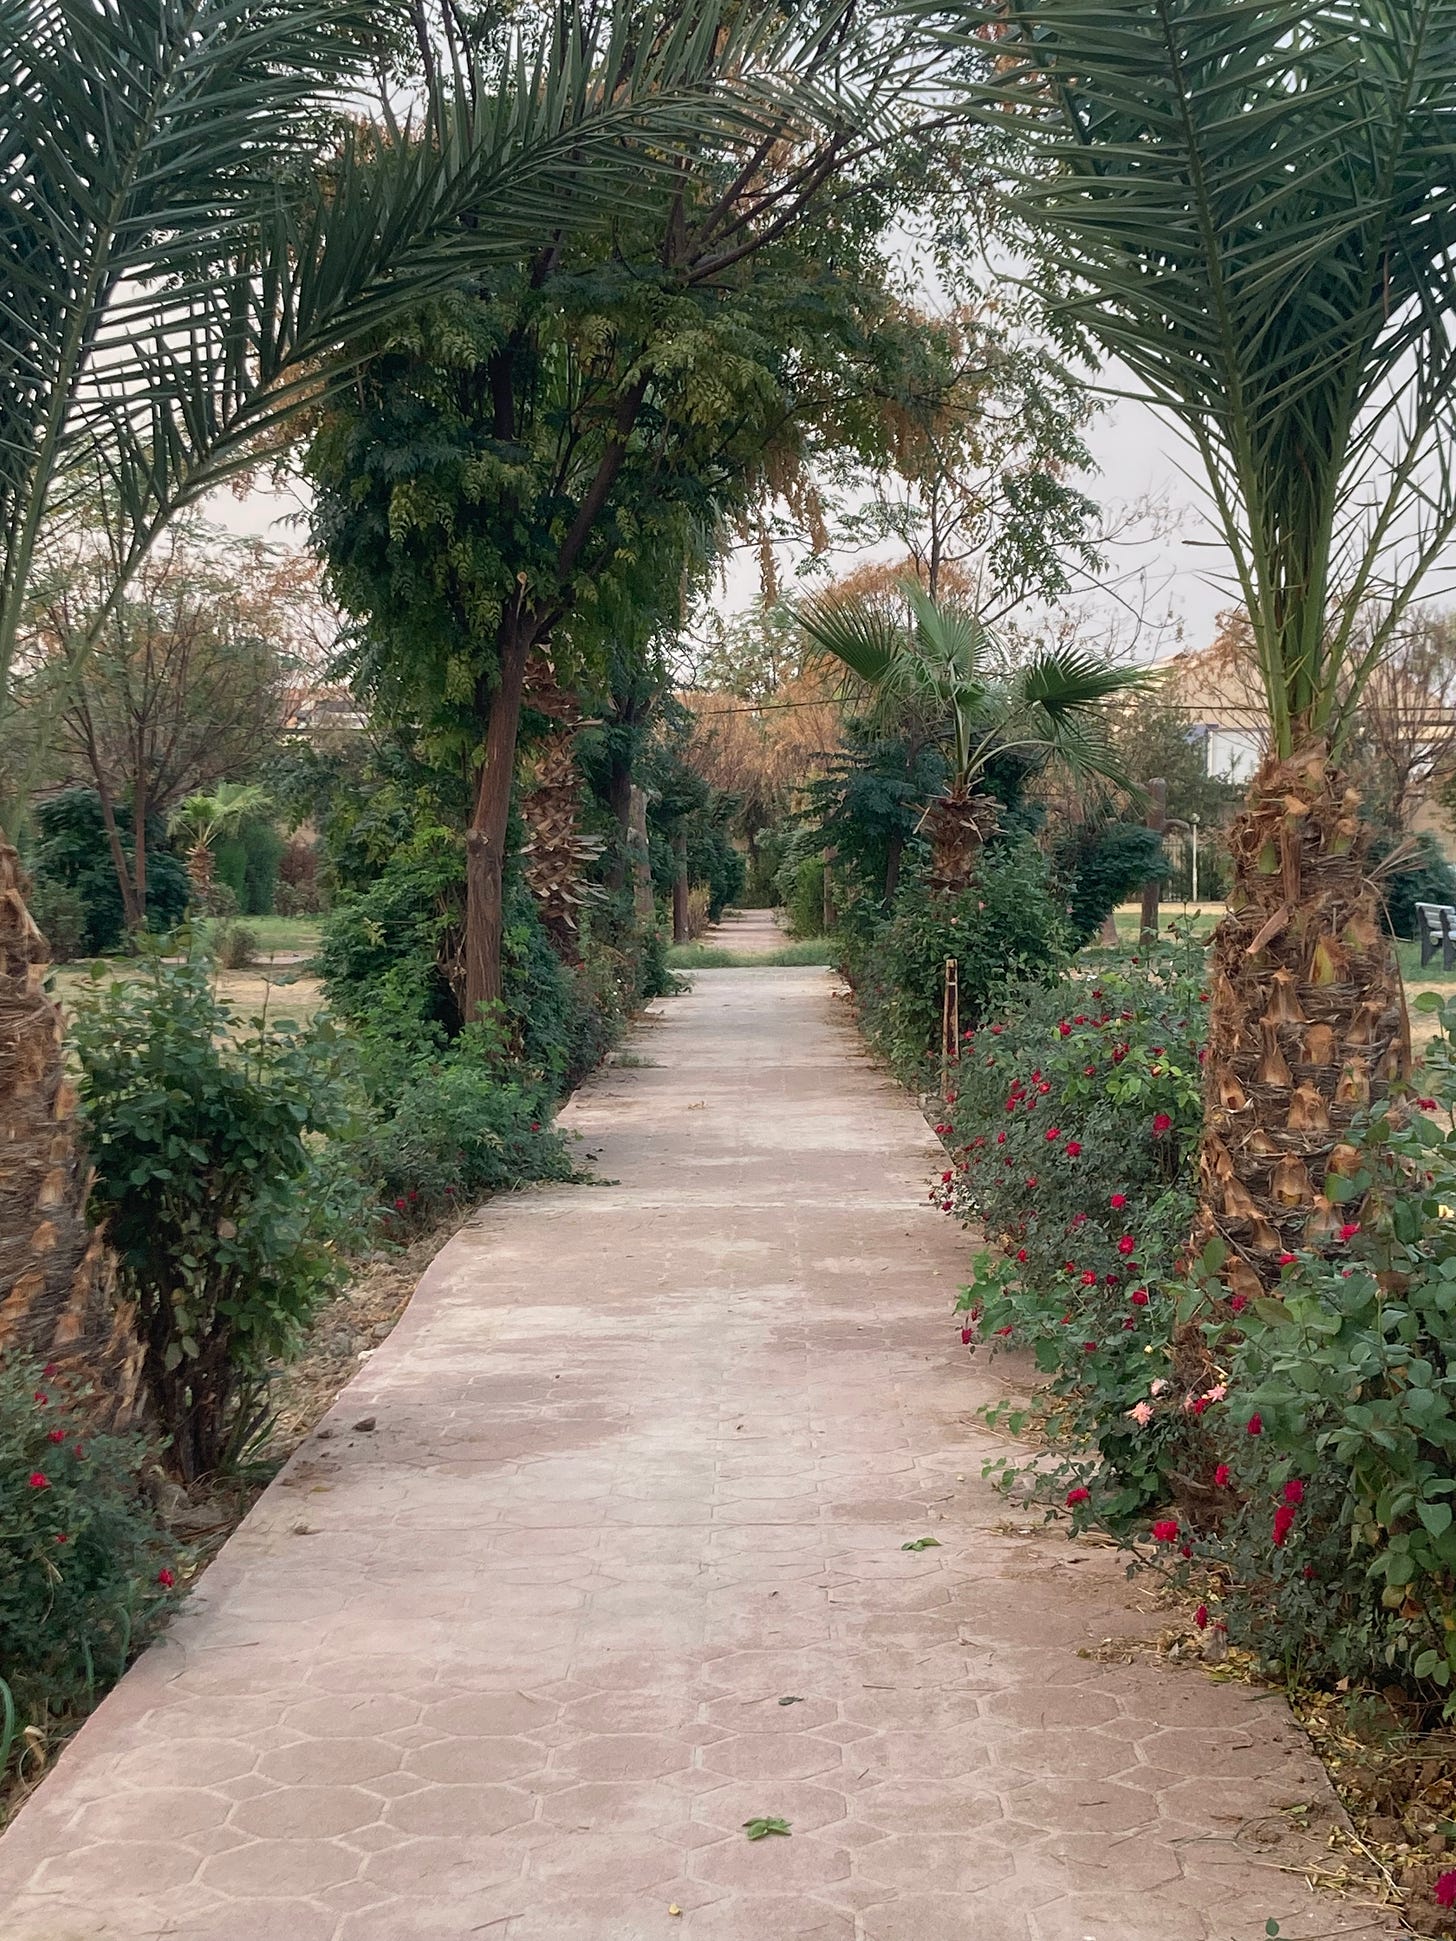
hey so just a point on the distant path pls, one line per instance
(622, 1566)
(749, 933)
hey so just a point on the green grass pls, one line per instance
(688, 957)
(284, 935)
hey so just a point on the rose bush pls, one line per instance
(1072, 1123)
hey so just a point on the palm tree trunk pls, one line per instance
(57, 1305)
(958, 824)
(1307, 1024)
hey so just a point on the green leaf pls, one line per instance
(922, 1543)
(767, 1823)
(1435, 1516)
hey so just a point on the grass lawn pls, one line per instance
(283, 936)
(686, 957)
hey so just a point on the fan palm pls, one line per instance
(1252, 205)
(205, 818)
(194, 223)
(935, 660)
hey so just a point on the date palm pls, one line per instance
(1251, 204)
(198, 213)
(936, 662)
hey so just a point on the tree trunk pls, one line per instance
(680, 889)
(118, 855)
(139, 848)
(894, 856)
(642, 900)
(56, 1279)
(485, 838)
(1307, 1023)
(959, 825)
(619, 797)
(1149, 925)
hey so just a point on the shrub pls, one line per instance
(1337, 1550)
(73, 853)
(1423, 875)
(1006, 925)
(248, 863)
(1103, 863)
(803, 893)
(80, 1553)
(1074, 1122)
(61, 915)
(235, 946)
(455, 1130)
(223, 1212)
(299, 892)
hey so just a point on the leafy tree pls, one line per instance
(515, 464)
(1252, 207)
(937, 662)
(71, 851)
(187, 683)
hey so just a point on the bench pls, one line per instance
(1437, 924)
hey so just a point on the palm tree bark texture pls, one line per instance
(1307, 1026)
(57, 1300)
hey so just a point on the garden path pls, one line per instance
(622, 1565)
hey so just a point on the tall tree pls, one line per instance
(1252, 206)
(512, 460)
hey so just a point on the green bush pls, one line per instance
(1005, 926)
(248, 863)
(224, 1212)
(72, 853)
(61, 914)
(1423, 876)
(235, 946)
(804, 897)
(1074, 1123)
(453, 1131)
(1336, 1554)
(1102, 864)
(84, 1564)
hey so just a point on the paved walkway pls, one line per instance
(621, 1567)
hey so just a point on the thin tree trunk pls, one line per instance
(680, 889)
(893, 859)
(57, 1306)
(118, 854)
(1307, 1022)
(1157, 818)
(619, 797)
(642, 898)
(485, 838)
(139, 846)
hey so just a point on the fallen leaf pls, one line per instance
(923, 1543)
(763, 1825)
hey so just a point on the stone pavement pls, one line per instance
(621, 1567)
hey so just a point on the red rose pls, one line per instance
(1445, 1890)
(1064, 1029)
(1031, 1184)
(1126, 1244)
(1139, 1297)
(1294, 1490)
(39, 1480)
(1255, 1425)
(1005, 1330)
(1089, 1279)
(1053, 1132)
(1200, 1617)
(1021, 1253)
(1078, 1495)
(1238, 1302)
(1073, 1148)
(1161, 1122)
(1166, 1531)
(1286, 1260)
(1283, 1524)
(1349, 1230)
(968, 1335)
(40, 1399)
(1118, 1202)
(165, 1578)
(56, 1435)
(1222, 1476)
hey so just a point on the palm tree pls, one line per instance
(935, 662)
(195, 223)
(1251, 205)
(203, 819)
